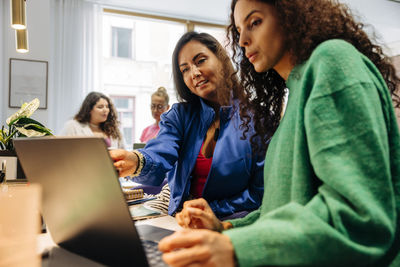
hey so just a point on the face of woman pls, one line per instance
(158, 107)
(260, 34)
(200, 70)
(99, 112)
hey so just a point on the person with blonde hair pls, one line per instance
(159, 104)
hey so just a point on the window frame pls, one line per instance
(190, 24)
(122, 110)
(132, 54)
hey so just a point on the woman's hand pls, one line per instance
(124, 161)
(197, 214)
(197, 248)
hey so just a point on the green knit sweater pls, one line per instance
(332, 170)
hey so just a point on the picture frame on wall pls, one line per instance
(28, 80)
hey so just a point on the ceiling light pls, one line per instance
(18, 15)
(21, 40)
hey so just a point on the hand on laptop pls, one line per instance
(197, 247)
(197, 214)
(124, 161)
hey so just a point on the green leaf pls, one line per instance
(26, 110)
(20, 125)
(38, 128)
(26, 120)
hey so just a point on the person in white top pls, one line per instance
(96, 117)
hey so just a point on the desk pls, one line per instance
(67, 259)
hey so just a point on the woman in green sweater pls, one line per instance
(332, 170)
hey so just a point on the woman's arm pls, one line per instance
(161, 153)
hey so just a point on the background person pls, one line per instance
(159, 104)
(199, 142)
(332, 170)
(96, 117)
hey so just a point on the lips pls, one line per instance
(251, 56)
(201, 83)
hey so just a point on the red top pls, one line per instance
(200, 174)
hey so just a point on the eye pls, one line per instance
(255, 23)
(184, 70)
(201, 60)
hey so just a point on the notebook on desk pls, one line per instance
(83, 204)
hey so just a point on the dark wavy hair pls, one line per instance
(110, 126)
(305, 24)
(227, 72)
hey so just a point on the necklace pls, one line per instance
(94, 125)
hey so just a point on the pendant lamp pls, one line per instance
(21, 37)
(18, 14)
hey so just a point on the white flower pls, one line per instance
(26, 110)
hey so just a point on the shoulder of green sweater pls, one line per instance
(335, 61)
(329, 54)
(335, 48)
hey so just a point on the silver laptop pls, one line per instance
(83, 206)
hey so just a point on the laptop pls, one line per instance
(83, 204)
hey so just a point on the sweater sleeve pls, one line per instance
(247, 220)
(351, 220)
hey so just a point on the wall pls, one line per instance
(37, 13)
(384, 16)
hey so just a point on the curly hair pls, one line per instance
(305, 24)
(227, 73)
(110, 126)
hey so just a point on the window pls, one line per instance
(125, 105)
(218, 32)
(121, 42)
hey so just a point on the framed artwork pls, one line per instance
(28, 80)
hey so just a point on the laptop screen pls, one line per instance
(83, 205)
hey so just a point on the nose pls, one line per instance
(244, 39)
(195, 72)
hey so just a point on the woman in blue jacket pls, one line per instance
(200, 144)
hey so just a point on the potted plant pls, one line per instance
(21, 125)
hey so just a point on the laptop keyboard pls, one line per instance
(153, 254)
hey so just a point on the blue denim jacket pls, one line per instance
(235, 181)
